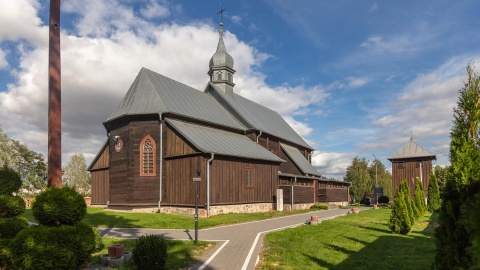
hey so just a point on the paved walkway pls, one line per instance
(238, 245)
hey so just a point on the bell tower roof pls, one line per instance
(221, 58)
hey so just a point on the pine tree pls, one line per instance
(433, 194)
(419, 199)
(400, 219)
(458, 229)
(408, 201)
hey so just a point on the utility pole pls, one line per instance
(376, 180)
(54, 98)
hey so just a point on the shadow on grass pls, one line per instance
(388, 251)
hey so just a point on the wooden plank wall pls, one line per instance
(179, 186)
(119, 185)
(103, 160)
(327, 195)
(175, 145)
(410, 172)
(302, 194)
(100, 186)
(288, 167)
(228, 181)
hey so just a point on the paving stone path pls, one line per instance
(237, 246)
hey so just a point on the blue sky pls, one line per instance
(354, 78)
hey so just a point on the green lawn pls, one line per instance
(180, 253)
(98, 217)
(355, 241)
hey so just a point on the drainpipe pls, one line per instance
(260, 134)
(309, 156)
(208, 183)
(291, 203)
(161, 163)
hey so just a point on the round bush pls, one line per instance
(63, 247)
(383, 199)
(10, 181)
(11, 206)
(55, 207)
(365, 201)
(10, 227)
(150, 252)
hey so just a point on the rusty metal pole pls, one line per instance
(54, 99)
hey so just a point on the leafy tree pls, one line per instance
(441, 175)
(359, 176)
(384, 177)
(75, 175)
(29, 164)
(458, 231)
(433, 194)
(419, 199)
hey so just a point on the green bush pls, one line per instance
(365, 201)
(150, 252)
(99, 244)
(10, 227)
(11, 206)
(10, 181)
(42, 247)
(321, 206)
(434, 201)
(383, 199)
(419, 199)
(400, 219)
(55, 207)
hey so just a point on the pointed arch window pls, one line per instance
(147, 157)
(230, 77)
(219, 76)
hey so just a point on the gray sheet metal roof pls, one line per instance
(261, 118)
(210, 140)
(299, 160)
(154, 93)
(411, 150)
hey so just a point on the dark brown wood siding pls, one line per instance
(228, 181)
(175, 145)
(127, 187)
(288, 167)
(179, 188)
(102, 161)
(301, 194)
(100, 186)
(326, 195)
(409, 170)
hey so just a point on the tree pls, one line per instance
(29, 164)
(358, 175)
(433, 194)
(419, 199)
(400, 218)
(75, 175)
(458, 231)
(441, 175)
(384, 177)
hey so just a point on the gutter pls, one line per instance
(161, 163)
(208, 183)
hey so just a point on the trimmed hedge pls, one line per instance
(56, 207)
(42, 247)
(9, 227)
(383, 199)
(11, 206)
(150, 252)
(319, 206)
(10, 181)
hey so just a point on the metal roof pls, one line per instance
(259, 117)
(411, 150)
(154, 93)
(221, 57)
(299, 160)
(210, 140)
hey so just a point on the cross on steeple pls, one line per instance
(221, 12)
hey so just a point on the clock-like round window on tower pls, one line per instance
(118, 145)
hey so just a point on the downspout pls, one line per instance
(260, 134)
(309, 156)
(161, 163)
(208, 183)
(291, 202)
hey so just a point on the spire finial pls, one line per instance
(411, 136)
(221, 12)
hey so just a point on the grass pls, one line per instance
(98, 217)
(181, 254)
(355, 241)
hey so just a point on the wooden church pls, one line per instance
(409, 163)
(164, 133)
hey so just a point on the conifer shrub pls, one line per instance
(434, 201)
(365, 201)
(11, 206)
(383, 199)
(150, 252)
(321, 206)
(408, 201)
(400, 220)
(52, 247)
(55, 207)
(419, 199)
(9, 227)
(10, 181)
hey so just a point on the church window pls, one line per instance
(147, 157)
(229, 76)
(219, 76)
(249, 177)
(401, 165)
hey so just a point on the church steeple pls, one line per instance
(221, 66)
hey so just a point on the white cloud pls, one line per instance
(100, 59)
(374, 7)
(154, 10)
(332, 164)
(236, 19)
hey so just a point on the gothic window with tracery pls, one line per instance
(147, 157)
